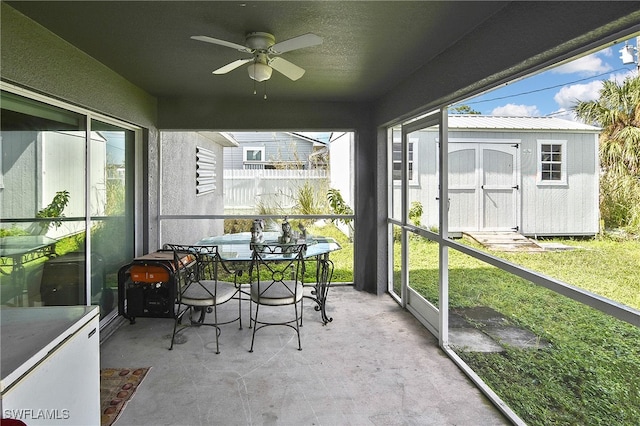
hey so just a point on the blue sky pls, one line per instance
(553, 92)
(115, 147)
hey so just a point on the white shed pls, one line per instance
(535, 175)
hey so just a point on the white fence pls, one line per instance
(275, 190)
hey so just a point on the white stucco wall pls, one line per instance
(178, 189)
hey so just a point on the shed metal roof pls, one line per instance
(483, 122)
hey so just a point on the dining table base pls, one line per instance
(320, 289)
(238, 248)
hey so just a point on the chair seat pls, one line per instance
(196, 295)
(277, 295)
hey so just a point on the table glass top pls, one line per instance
(21, 244)
(238, 246)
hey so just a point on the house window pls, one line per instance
(552, 162)
(412, 173)
(253, 154)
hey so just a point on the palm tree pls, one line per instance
(617, 111)
(463, 109)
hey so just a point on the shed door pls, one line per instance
(483, 187)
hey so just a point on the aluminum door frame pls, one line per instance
(435, 318)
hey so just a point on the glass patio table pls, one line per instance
(238, 248)
(15, 251)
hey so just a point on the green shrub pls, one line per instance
(339, 206)
(620, 201)
(415, 213)
(234, 226)
(14, 231)
(308, 202)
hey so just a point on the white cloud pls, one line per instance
(606, 52)
(622, 76)
(587, 65)
(512, 110)
(569, 95)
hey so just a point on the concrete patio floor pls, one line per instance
(373, 365)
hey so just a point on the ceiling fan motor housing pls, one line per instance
(262, 45)
(260, 41)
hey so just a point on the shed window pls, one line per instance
(552, 162)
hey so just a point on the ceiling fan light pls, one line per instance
(259, 71)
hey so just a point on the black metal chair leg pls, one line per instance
(255, 326)
(298, 323)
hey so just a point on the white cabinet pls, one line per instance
(51, 365)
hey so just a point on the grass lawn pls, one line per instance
(589, 375)
(342, 259)
(605, 267)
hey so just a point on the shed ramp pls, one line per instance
(505, 241)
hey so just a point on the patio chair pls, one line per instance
(200, 290)
(276, 273)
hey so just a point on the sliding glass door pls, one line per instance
(110, 209)
(66, 205)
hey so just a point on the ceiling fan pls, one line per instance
(265, 53)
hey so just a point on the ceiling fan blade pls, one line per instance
(232, 66)
(290, 70)
(225, 43)
(305, 40)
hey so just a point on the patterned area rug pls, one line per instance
(117, 386)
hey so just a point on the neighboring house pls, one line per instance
(273, 150)
(265, 171)
(534, 175)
